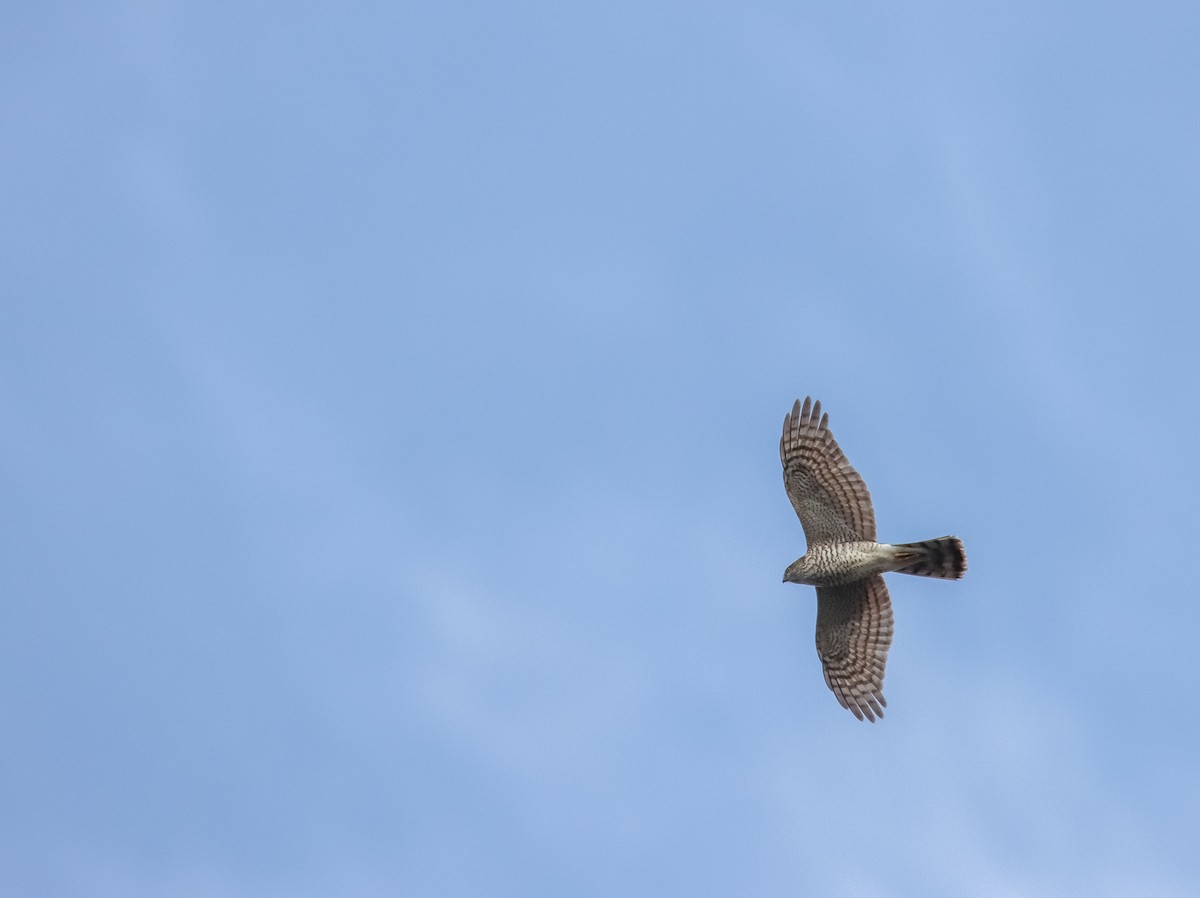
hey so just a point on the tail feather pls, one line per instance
(942, 557)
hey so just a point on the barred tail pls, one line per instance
(942, 557)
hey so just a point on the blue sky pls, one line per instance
(389, 406)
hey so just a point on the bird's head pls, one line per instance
(795, 572)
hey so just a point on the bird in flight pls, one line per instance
(845, 563)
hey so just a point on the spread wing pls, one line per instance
(829, 496)
(854, 631)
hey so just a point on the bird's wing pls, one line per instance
(854, 631)
(829, 496)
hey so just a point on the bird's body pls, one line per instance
(844, 560)
(831, 564)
